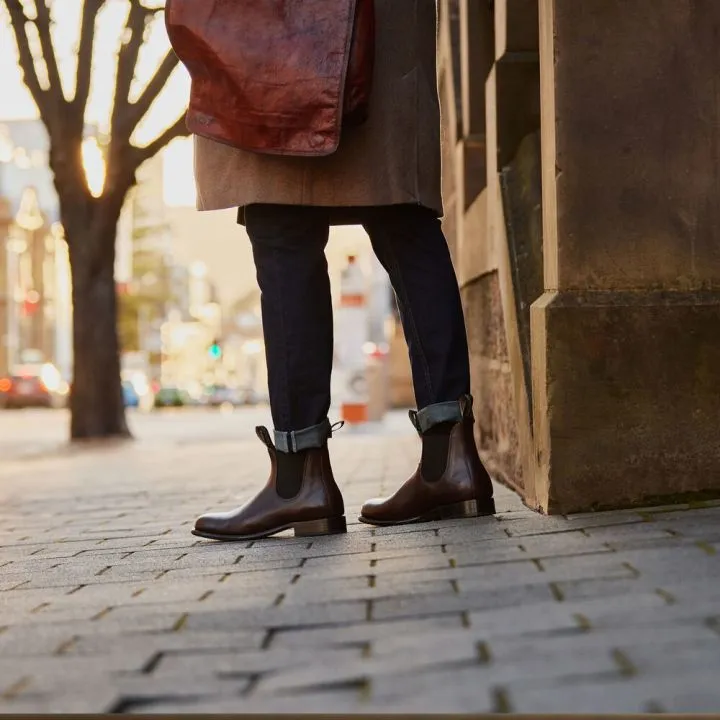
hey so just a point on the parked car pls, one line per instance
(171, 397)
(131, 398)
(250, 397)
(33, 386)
(219, 395)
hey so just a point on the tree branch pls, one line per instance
(154, 88)
(43, 24)
(19, 22)
(83, 75)
(138, 18)
(176, 130)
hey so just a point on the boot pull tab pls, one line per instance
(336, 427)
(413, 419)
(466, 406)
(264, 435)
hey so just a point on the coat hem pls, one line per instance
(343, 215)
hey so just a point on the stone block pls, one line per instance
(521, 190)
(516, 27)
(475, 254)
(496, 428)
(513, 106)
(636, 143)
(627, 388)
(483, 317)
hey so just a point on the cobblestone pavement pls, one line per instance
(107, 603)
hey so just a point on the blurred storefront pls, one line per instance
(35, 289)
(35, 284)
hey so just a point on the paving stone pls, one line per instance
(176, 591)
(112, 622)
(573, 542)
(683, 693)
(89, 576)
(394, 530)
(663, 658)
(441, 691)
(603, 566)
(517, 651)
(544, 525)
(191, 567)
(542, 618)
(354, 565)
(248, 664)
(534, 658)
(605, 587)
(648, 543)
(406, 607)
(90, 697)
(329, 701)
(679, 564)
(168, 642)
(44, 641)
(361, 633)
(488, 553)
(699, 610)
(281, 616)
(56, 670)
(386, 567)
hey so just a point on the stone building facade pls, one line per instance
(581, 180)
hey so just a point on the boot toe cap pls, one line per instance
(374, 509)
(212, 523)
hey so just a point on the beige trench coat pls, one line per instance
(393, 158)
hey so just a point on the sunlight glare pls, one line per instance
(94, 164)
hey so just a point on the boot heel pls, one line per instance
(468, 509)
(326, 526)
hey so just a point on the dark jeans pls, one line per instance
(289, 249)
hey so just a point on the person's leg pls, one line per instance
(410, 244)
(451, 480)
(289, 251)
(288, 246)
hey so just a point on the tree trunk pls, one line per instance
(97, 407)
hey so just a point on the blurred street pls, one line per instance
(108, 603)
(32, 433)
(27, 433)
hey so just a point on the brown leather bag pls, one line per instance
(275, 76)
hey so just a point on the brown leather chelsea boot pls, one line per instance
(450, 482)
(300, 494)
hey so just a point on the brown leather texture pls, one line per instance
(275, 76)
(319, 498)
(464, 479)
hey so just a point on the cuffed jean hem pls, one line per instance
(453, 411)
(294, 441)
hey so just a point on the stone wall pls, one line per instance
(582, 147)
(489, 80)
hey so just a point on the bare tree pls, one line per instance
(90, 222)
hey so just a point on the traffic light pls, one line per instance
(215, 351)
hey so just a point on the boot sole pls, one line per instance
(467, 509)
(309, 528)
